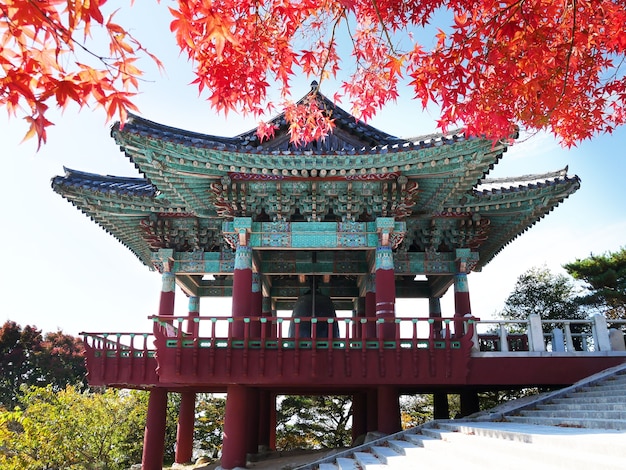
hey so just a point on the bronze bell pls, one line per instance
(316, 305)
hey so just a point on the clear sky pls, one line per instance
(61, 270)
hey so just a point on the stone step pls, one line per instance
(569, 422)
(344, 463)
(606, 386)
(369, 461)
(328, 466)
(576, 414)
(526, 446)
(404, 447)
(567, 406)
(591, 399)
(585, 393)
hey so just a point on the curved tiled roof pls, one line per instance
(104, 184)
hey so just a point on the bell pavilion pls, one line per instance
(350, 223)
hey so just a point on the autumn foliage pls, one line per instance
(492, 65)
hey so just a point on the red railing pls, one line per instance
(121, 359)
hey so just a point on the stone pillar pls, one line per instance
(154, 435)
(389, 420)
(193, 327)
(184, 431)
(359, 415)
(535, 333)
(234, 444)
(242, 278)
(385, 281)
(441, 408)
(600, 333)
(370, 306)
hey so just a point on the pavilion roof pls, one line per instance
(435, 185)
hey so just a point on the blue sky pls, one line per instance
(60, 270)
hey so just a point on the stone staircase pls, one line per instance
(578, 427)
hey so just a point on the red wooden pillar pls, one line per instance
(242, 289)
(359, 415)
(234, 444)
(273, 421)
(372, 410)
(370, 306)
(389, 420)
(359, 313)
(252, 438)
(461, 291)
(154, 435)
(256, 306)
(441, 408)
(267, 328)
(193, 327)
(264, 420)
(434, 311)
(385, 292)
(168, 290)
(184, 431)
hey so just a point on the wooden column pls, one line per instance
(441, 409)
(168, 291)
(267, 329)
(385, 292)
(359, 415)
(470, 403)
(184, 431)
(256, 306)
(193, 327)
(264, 420)
(389, 420)
(434, 311)
(242, 289)
(359, 312)
(252, 425)
(461, 290)
(234, 444)
(370, 306)
(372, 410)
(154, 435)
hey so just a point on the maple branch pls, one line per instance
(66, 36)
(384, 27)
(332, 39)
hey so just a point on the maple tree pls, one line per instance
(495, 65)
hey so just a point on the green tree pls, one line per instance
(78, 430)
(28, 358)
(605, 280)
(209, 423)
(543, 292)
(313, 422)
